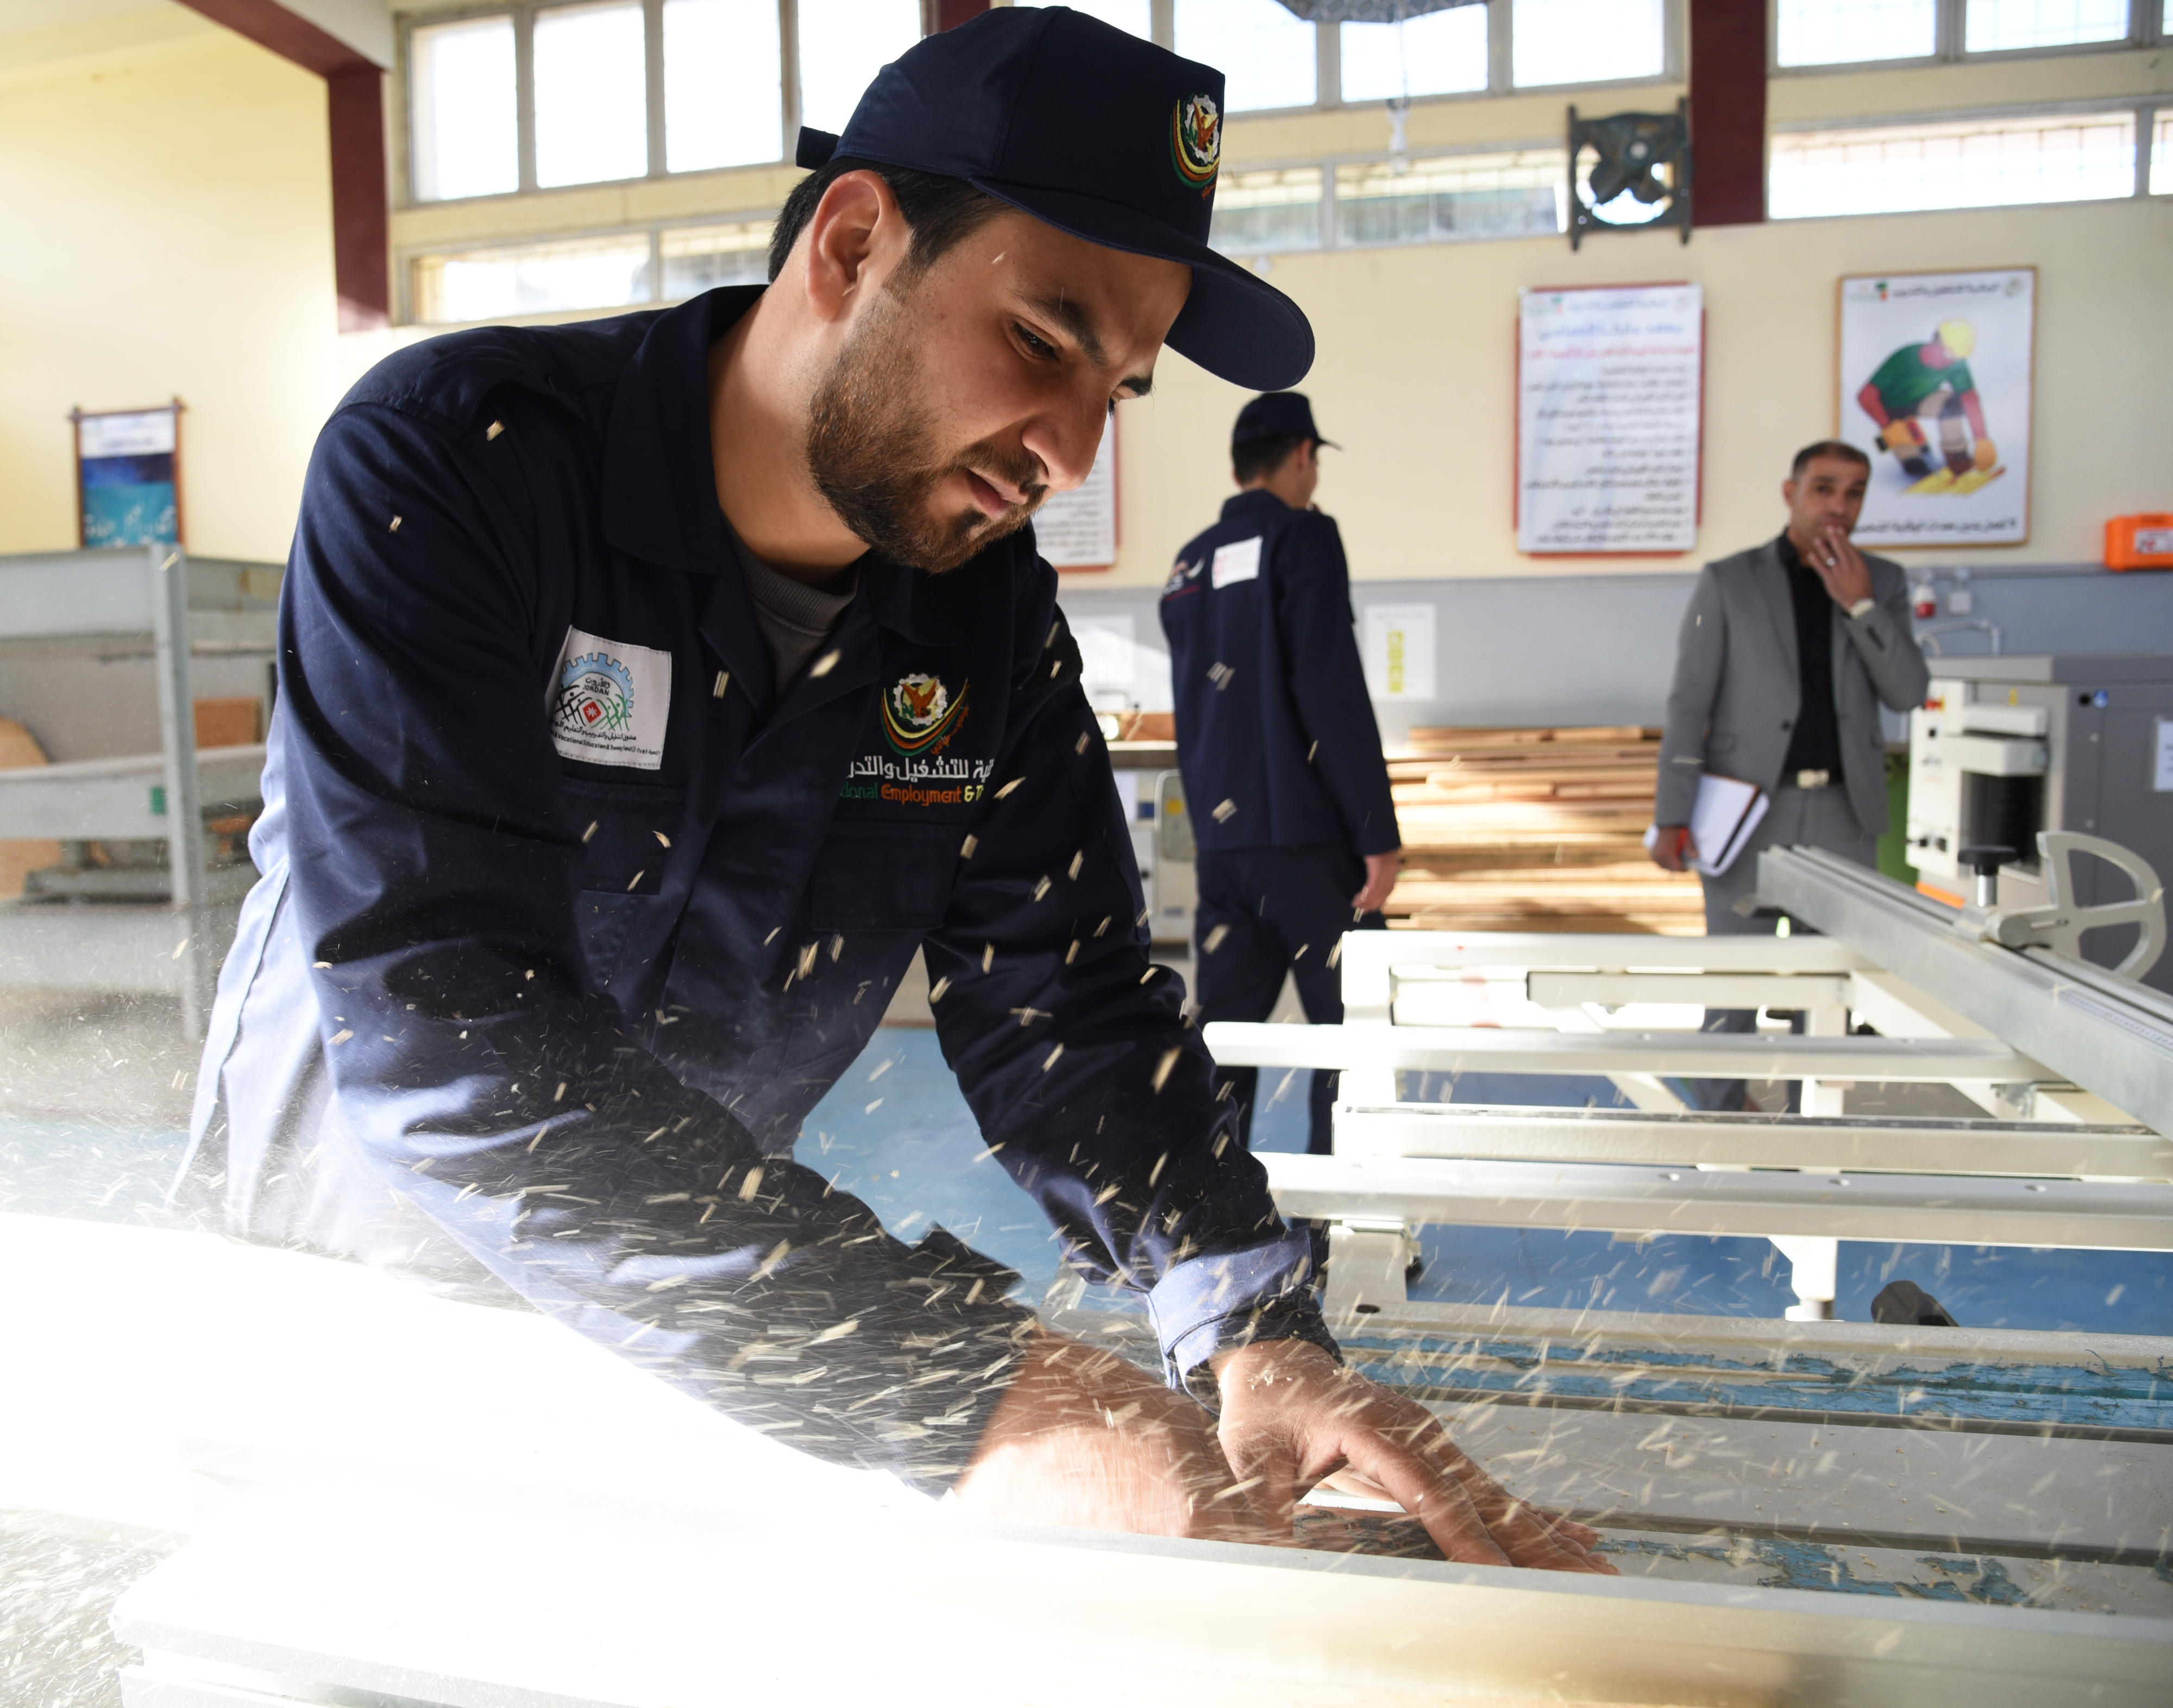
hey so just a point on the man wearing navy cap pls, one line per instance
(651, 690)
(1276, 735)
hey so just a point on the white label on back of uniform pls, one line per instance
(610, 702)
(1239, 561)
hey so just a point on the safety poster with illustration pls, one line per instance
(1935, 372)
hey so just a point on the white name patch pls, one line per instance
(610, 701)
(1239, 561)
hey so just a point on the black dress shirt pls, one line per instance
(1815, 743)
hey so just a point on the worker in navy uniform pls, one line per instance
(1786, 652)
(651, 689)
(1275, 736)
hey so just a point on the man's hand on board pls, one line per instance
(1293, 1418)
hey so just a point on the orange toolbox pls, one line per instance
(2139, 542)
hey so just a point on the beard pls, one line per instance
(871, 450)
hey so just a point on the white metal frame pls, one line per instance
(176, 948)
(2054, 1166)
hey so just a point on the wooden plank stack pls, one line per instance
(1534, 830)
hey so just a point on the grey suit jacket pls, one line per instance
(1737, 689)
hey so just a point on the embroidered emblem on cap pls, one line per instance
(919, 715)
(1196, 142)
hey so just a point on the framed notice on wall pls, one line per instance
(1935, 383)
(1610, 383)
(1078, 530)
(128, 476)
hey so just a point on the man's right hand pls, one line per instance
(1674, 848)
(1084, 1439)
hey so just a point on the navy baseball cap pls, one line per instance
(1278, 415)
(1098, 133)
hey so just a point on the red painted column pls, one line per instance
(1727, 111)
(951, 13)
(360, 238)
(354, 89)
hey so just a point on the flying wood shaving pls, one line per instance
(751, 1185)
(1225, 811)
(935, 990)
(493, 431)
(1051, 1059)
(1166, 1065)
(1009, 786)
(988, 956)
(662, 838)
(836, 1331)
(1079, 745)
(396, 524)
(1215, 938)
(1041, 888)
(724, 681)
(1078, 860)
(341, 1036)
(823, 666)
(966, 848)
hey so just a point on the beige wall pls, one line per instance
(165, 229)
(1415, 378)
(165, 199)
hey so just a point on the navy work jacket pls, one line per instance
(1276, 733)
(567, 919)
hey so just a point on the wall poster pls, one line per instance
(1609, 398)
(1396, 649)
(1935, 384)
(128, 477)
(1078, 530)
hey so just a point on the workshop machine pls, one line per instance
(2005, 747)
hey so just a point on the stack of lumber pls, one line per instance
(1534, 830)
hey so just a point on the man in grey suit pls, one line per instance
(1786, 654)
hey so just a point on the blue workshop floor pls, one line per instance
(895, 1132)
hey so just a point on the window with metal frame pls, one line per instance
(582, 71)
(1455, 198)
(532, 278)
(1847, 32)
(592, 83)
(1269, 58)
(1578, 41)
(843, 44)
(1437, 53)
(463, 108)
(2006, 26)
(1980, 163)
(698, 258)
(2161, 155)
(1260, 213)
(724, 97)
